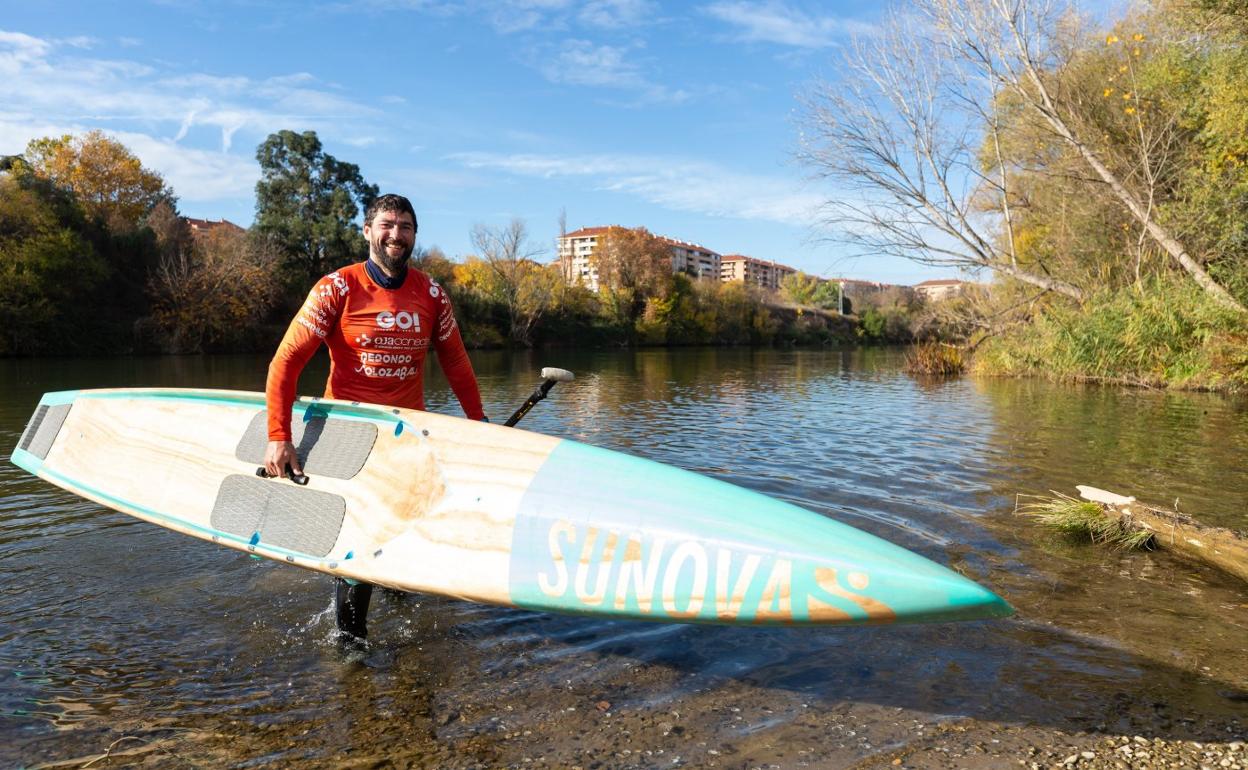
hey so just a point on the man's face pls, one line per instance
(391, 237)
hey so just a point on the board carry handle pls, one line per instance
(299, 478)
(550, 377)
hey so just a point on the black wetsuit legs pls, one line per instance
(351, 603)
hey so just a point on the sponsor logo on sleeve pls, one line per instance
(317, 316)
(446, 324)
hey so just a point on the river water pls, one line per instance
(174, 652)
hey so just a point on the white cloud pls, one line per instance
(580, 62)
(583, 63)
(514, 16)
(194, 175)
(433, 183)
(17, 48)
(49, 88)
(778, 22)
(521, 15)
(508, 20)
(613, 14)
(45, 77)
(678, 184)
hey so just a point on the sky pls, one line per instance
(679, 117)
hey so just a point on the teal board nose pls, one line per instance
(604, 532)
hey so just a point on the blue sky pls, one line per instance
(680, 117)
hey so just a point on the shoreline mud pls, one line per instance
(849, 736)
(603, 712)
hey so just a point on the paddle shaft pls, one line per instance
(534, 397)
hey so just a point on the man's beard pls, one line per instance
(391, 264)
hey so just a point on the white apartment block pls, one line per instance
(935, 291)
(738, 267)
(693, 260)
(576, 250)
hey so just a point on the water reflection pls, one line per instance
(1157, 446)
(106, 621)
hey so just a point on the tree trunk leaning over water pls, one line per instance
(1223, 548)
(1017, 44)
(895, 133)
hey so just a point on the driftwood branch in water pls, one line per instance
(1222, 548)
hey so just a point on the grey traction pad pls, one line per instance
(302, 520)
(334, 448)
(41, 431)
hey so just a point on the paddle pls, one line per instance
(550, 376)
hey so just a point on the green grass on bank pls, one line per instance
(1080, 518)
(1164, 334)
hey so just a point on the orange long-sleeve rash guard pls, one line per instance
(377, 340)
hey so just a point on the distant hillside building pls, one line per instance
(201, 227)
(693, 260)
(857, 290)
(857, 295)
(577, 248)
(862, 287)
(738, 267)
(944, 288)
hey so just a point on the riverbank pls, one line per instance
(1166, 335)
(599, 723)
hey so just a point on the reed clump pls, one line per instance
(1081, 518)
(935, 358)
(1162, 333)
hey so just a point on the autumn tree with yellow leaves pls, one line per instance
(108, 181)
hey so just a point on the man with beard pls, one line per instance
(378, 318)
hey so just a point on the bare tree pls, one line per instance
(1019, 45)
(215, 290)
(520, 283)
(565, 259)
(898, 136)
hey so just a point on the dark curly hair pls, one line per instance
(393, 203)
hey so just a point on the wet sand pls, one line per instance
(552, 705)
(726, 733)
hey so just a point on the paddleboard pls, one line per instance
(419, 501)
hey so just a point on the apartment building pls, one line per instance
(693, 260)
(853, 287)
(576, 250)
(934, 291)
(738, 267)
(201, 227)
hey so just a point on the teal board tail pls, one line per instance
(649, 541)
